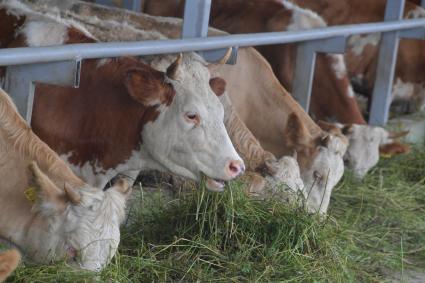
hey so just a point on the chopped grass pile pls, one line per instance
(375, 226)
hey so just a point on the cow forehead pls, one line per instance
(193, 80)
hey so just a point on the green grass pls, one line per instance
(375, 226)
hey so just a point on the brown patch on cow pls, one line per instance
(76, 36)
(330, 97)
(101, 121)
(218, 85)
(9, 24)
(393, 148)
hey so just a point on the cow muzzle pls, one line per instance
(233, 169)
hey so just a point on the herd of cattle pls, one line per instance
(181, 115)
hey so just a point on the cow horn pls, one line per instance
(325, 141)
(397, 135)
(172, 70)
(226, 57)
(295, 155)
(72, 195)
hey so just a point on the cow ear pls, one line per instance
(48, 196)
(394, 148)
(297, 134)
(146, 86)
(218, 85)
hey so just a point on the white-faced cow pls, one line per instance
(127, 116)
(45, 209)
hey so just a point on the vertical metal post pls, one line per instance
(382, 92)
(305, 65)
(195, 24)
(20, 79)
(304, 71)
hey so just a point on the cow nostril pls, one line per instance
(235, 168)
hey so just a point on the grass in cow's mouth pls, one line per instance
(374, 226)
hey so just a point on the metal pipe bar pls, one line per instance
(26, 55)
(387, 58)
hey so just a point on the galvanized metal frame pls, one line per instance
(330, 39)
(28, 55)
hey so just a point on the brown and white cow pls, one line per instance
(127, 116)
(45, 209)
(282, 128)
(361, 58)
(9, 261)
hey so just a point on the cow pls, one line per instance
(45, 209)
(361, 58)
(367, 144)
(126, 115)
(9, 261)
(282, 129)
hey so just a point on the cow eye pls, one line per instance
(192, 117)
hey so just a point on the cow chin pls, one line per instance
(215, 185)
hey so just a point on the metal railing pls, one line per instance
(26, 64)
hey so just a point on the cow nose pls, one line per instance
(235, 168)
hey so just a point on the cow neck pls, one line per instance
(98, 122)
(332, 97)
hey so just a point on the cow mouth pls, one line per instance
(215, 185)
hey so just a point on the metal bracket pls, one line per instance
(134, 5)
(195, 24)
(20, 81)
(305, 64)
(382, 92)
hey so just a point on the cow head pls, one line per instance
(320, 161)
(365, 144)
(84, 221)
(185, 133)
